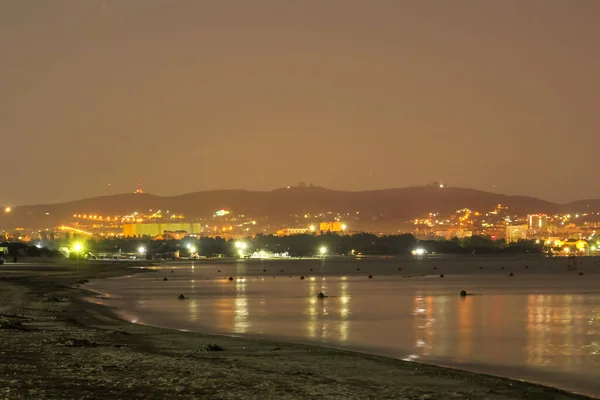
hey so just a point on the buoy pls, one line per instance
(281, 270)
(370, 276)
(511, 274)
(441, 275)
(172, 271)
(218, 270)
(463, 293)
(302, 277)
(231, 278)
(165, 279)
(321, 295)
(527, 266)
(581, 273)
(181, 297)
(502, 268)
(264, 270)
(399, 269)
(358, 269)
(480, 267)
(434, 267)
(311, 270)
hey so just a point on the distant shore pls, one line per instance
(56, 345)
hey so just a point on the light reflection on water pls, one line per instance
(541, 324)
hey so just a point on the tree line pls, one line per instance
(310, 245)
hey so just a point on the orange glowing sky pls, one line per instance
(194, 95)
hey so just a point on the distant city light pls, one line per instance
(7, 209)
(221, 213)
(323, 250)
(142, 250)
(77, 247)
(241, 245)
(193, 250)
(418, 252)
(344, 227)
(312, 228)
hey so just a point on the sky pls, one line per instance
(193, 95)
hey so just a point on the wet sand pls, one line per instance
(55, 345)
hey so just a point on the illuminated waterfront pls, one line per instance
(540, 325)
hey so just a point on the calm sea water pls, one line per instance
(541, 325)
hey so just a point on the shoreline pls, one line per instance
(48, 326)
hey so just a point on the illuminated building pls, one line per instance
(292, 231)
(538, 223)
(156, 229)
(332, 227)
(514, 233)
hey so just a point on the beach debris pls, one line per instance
(370, 276)
(463, 293)
(511, 274)
(211, 347)
(80, 343)
(181, 297)
(441, 275)
(165, 279)
(301, 276)
(321, 295)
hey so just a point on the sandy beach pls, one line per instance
(55, 345)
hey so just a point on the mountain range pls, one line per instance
(392, 205)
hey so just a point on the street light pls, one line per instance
(323, 250)
(77, 247)
(141, 250)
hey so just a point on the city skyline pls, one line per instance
(349, 95)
